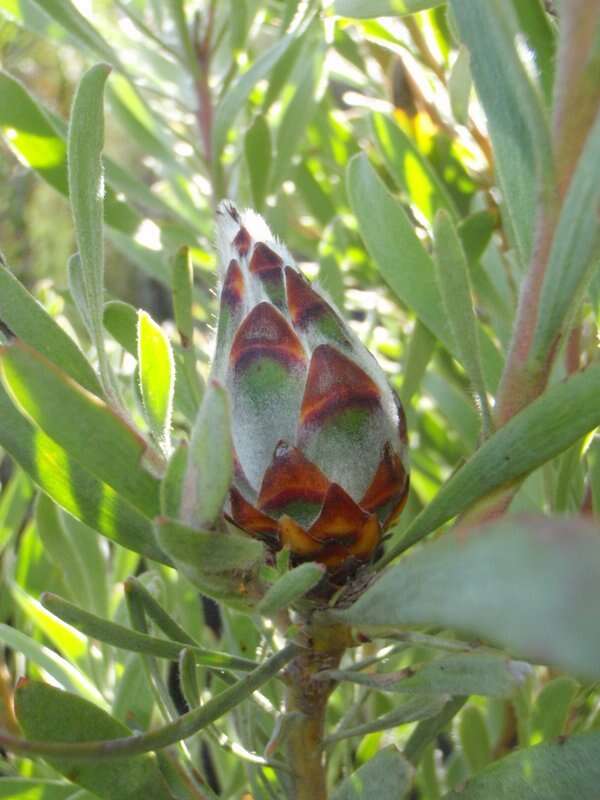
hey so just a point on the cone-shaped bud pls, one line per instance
(319, 436)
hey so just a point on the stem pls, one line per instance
(308, 696)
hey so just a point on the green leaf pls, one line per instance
(120, 320)
(171, 487)
(86, 192)
(552, 707)
(72, 486)
(515, 112)
(67, 15)
(183, 288)
(516, 582)
(46, 713)
(34, 789)
(89, 430)
(456, 674)
(387, 232)
(61, 550)
(38, 137)
(235, 98)
(553, 771)
(201, 554)
(459, 86)
(14, 503)
(410, 168)
(531, 438)
(387, 776)
(210, 460)
(299, 110)
(290, 588)
(453, 280)
(416, 708)
(575, 252)
(534, 22)
(475, 739)
(59, 668)
(258, 150)
(119, 636)
(364, 9)
(28, 320)
(157, 378)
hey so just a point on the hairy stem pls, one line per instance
(309, 695)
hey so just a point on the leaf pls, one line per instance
(291, 587)
(453, 280)
(516, 582)
(210, 460)
(59, 668)
(86, 191)
(387, 776)
(183, 288)
(416, 708)
(298, 112)
(28, 320)
(119, 636)
(49, 714)
(85, 426)
(387, 233)
(534, 22)
(67, 15)
(34, 789)
(364, 9)
(72, 486)
(575, 252)
(257, 149)
(459, 86)
(39, 139)
(15, 500)
(120, 320)
(157, 378)
(235, 97)
(475, 739)
(204, 553)
(171, 487)
(456, 674)
(531, 438)
(410, 168)
(515, 112)
(553, 771)
(552, 707)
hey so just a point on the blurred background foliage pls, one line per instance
(266, 102)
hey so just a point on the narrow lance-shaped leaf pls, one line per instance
(86, 191)
(73, 486)
(410, 168)
(387, 776)
(81, 423)
(157, 378)
(183, 288)
(456, 674)
(292, 586)
(402, 260)
(516, 582)
(210, 460)
(365, 9)
(531, 438)
(459, 86)
(453, 279)
(258, 151)
(28, 320)
(181, 728)
(50, 714)
(515, 112)
(416, 708)
(575, 252)
(568, 768)
(120, 636)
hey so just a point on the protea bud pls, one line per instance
(319, 435)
